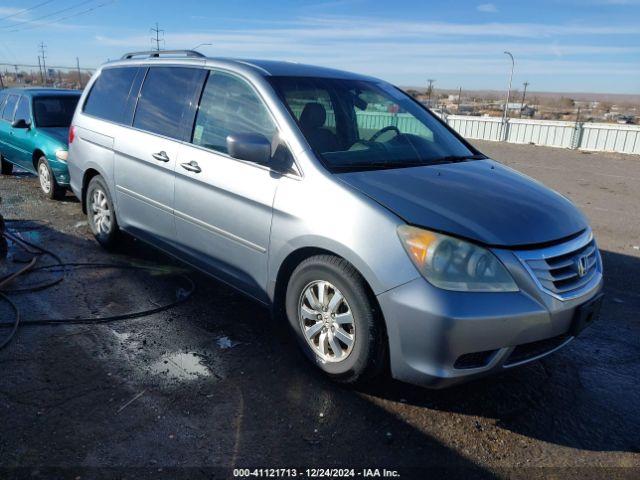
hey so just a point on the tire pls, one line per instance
(101, 214)
(6, 168)
(365, 358)
(48, 183)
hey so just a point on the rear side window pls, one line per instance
(23, 112)
(167, 101)
(9, 107)
(108, 96)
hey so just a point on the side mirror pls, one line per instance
(21, 123)
(252, 147)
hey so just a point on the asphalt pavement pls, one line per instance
(214, 384)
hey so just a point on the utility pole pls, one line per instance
(44, 63)
(430, 89)
(157, 38)
(524, 94)
(459, 96)
(40, 70)
(506, 104)
(79, 74)
(16, 68)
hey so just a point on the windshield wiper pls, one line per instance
(459, 158)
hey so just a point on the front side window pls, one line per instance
(229, 106)
(167, 96)
(52, 112)
(23, 112)
(109, 94)
(9, 107)
(359, 124)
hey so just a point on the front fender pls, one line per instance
(327, 215)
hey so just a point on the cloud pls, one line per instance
(401, 50)
(487, 8)
(616, 2)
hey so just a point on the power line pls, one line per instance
(26, 10)
(157, 38)
(77, 14)
(48, 15)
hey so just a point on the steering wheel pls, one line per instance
(388, 128)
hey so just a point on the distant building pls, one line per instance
(513, 106)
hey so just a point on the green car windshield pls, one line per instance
(355, 124)
(52, 112)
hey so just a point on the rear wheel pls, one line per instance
(331, 311)
(101, 213)
(48, 182)
(6, 167)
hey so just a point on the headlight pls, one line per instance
(62, 155)
(453, 264)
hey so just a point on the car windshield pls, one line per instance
(360, 125)
(54, 111)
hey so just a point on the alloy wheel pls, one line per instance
(45, 177)
(100, 211)
(326, 321)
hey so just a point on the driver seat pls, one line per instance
(312, 122)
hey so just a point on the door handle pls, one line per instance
(192, 166)
(161, 156)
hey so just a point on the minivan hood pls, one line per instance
(480, 200)
(59, 134)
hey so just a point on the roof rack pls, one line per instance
(157, 53)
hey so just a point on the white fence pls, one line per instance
(603, 137)
(610, 138)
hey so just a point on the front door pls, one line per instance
(22, 138)
(7, 147)
(223, 206)
(146, 155)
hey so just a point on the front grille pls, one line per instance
(564, 270)
(527, 351)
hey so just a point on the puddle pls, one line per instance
(181, 366)
(123, 337)
(126, 343)
(225, 343)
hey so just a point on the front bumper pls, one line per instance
(60, 171)
(439, 338)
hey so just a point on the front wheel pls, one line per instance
(48, 183)
(101, 213)
(335, 320)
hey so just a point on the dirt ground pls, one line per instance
(214, 384)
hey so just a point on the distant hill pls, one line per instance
(581, 96)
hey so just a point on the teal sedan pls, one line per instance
(34, 127)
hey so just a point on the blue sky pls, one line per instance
(559, 45)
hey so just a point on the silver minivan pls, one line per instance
(376, 231)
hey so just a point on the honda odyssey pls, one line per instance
(376, 231)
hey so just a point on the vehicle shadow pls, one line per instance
(585, 396)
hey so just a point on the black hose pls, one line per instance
(15, 323)
(183, 295)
